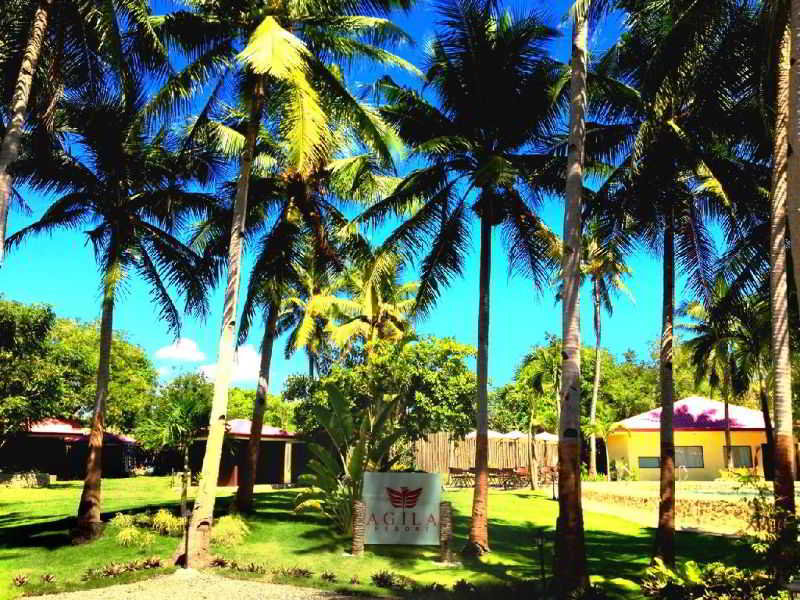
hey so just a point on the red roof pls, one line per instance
(698, 413)
(241, 427)
(72, 431)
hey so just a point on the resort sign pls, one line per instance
(402, 508)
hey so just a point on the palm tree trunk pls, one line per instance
(244, 494)
(784, 440)
(726, 387)
(665, 535)
(762, 395)
(185, 481)
(479, 527)
(310, 365)
(533, 466)
(199, 541)
(89, 524)
(570, 569)
(792, 90)
(9, 149)
(596, 385)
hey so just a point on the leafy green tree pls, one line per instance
(132, 375)
(127, 186)
(429, 379)
(489, 144)
(179, 412)
(31, 384)
(49, 365)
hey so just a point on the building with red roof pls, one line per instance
(699, 425)
(281, 457)
(60, 447)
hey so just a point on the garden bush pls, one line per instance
(229, 530)
(714, 581)
(122, 521)
(133, 536)
(165, 523)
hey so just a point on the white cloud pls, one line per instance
(246, 364)
(163, 371)
(184, 349)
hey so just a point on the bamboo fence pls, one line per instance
(437, 453)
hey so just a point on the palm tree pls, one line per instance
(379, 304)
(486, 143)
(711, 349)
(779, 307)
(676, 160)
(128, 186)
(604, 264)
(294, 45)
(281, 284)
(570, 551)
(49, 47)
(542, 368)
(176, 420)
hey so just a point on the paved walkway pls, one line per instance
(196, 585)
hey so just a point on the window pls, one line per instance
(742, 456)
(690, 457)
(649, 462)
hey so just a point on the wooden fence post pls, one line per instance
(359, 524)
(445, 532)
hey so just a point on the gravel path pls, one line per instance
(196, 585)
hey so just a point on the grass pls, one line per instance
(34, 526)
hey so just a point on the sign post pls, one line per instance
(402, 508)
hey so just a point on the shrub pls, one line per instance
(165, 523)
(714, 581)
(464, 587)
(219, 561)
(122, 521)
(20, 580)
(384, 579)
(129, 536)
(254, 567)
(229, 530)
(328, 576)
(48, 578)
(354, 580)
(113, 569)
(133, 536)
(143, 520)
(299, 572)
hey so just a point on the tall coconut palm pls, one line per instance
(603, 263)
(484, 152)
(51, 47)
(295, 44)
(285, 250)
(570, 552)
(784, 438)
(673, 139)
(127, 186)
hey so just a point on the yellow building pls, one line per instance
(699, 425)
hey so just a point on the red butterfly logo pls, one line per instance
(403, 498)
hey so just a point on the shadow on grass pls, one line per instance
(515, 550)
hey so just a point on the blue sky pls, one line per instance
(61, 271)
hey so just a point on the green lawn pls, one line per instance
(34, 538)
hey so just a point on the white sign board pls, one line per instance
(402, 508)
